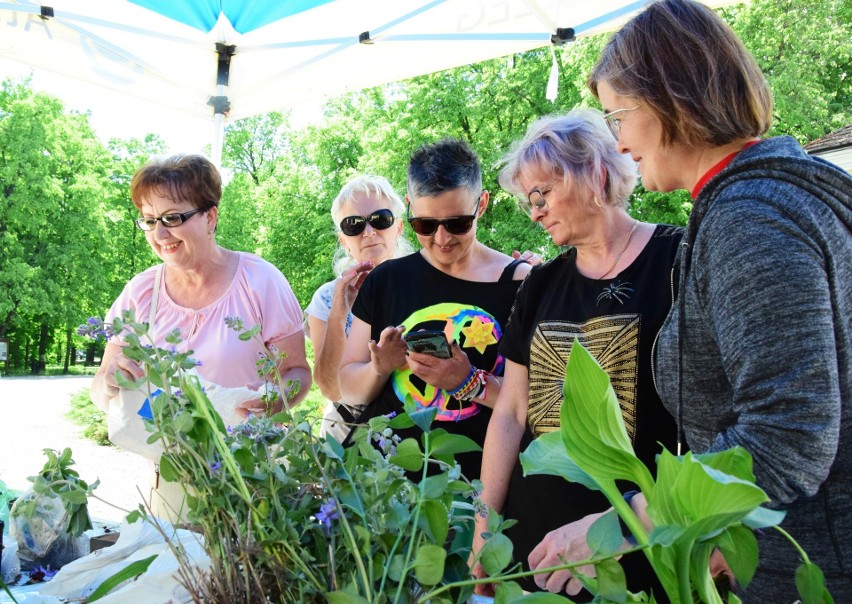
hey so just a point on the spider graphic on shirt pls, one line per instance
(617, 290)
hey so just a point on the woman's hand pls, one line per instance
(348, 286)
(560, 546)
(528, 256)
(446, 374)
(389, 352)
(131, 370)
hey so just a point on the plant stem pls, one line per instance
(520, 575)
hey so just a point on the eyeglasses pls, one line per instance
(455, 225)
(355, 225)
(149, 223)
(614, 123)
(535, 200)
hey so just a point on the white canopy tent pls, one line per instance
(228, 59)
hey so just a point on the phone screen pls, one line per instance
(429, 342)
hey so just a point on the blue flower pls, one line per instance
(216, 468)
(328, 512)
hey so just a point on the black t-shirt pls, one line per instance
(411, 292)
(617, 320)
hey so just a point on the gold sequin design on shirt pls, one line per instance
(613, 340)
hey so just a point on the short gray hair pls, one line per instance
(577, 146)
(375, 186)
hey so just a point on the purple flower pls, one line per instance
(41, 574)
(198, 363)
(216, 468)
(391, 415)
(92, 321)
(328, 512)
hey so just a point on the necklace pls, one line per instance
(624, 249)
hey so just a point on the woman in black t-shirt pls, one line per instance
(454, 284)
(611, 290)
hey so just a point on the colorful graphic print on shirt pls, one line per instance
(477, 333)
(613, 340)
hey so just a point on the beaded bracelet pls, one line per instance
(476, 387)
(471, 377)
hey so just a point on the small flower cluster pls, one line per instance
(95, 328)
(258, 431)
(387, 441)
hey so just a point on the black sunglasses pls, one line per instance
(355, 225)
(149, 223)
(455, 225)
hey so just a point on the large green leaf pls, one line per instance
(739, 547)
(131, 571)
(547, 455)
(496, 554)
(604, 537)
(408, 455)
(735, 461)
(429, 564)
(437, 520)
(452, 444)
(811, 585)
(592, 426)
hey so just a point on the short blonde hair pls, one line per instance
(577, 146)
(375, 186)
(683, 62)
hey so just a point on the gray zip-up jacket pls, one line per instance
(757, 349)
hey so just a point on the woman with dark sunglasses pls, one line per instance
(456, 285)
(197, 285)
(366, 213)
(610, 289)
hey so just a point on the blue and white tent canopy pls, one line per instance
(214, 58)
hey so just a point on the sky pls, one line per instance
(113, 115)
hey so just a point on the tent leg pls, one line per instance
(218, 140)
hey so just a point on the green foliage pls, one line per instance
(804, 47)
(696, 504)
(58, 479)
(86, 414)
(288, 517)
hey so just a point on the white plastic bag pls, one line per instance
(126, 423)
(39, 524)
(137, 541)
(10, 564)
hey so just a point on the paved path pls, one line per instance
(32, 418)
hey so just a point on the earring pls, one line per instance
(597, 202)
(210, 235)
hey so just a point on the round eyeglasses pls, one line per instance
(614, 123)
(535, 200)
(149, 223)
(355, 225)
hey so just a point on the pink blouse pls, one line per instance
(259, 293)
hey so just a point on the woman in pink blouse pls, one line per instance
(199, 284)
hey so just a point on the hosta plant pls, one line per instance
(697, 503)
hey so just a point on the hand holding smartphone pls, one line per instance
(429, 342)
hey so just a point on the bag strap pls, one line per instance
(155, 298)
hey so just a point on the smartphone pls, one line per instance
(429, 342)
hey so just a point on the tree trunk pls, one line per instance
(41, 363)
(68, 349)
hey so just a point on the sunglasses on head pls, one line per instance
(355, 225)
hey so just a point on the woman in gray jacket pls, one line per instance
(757, 350)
